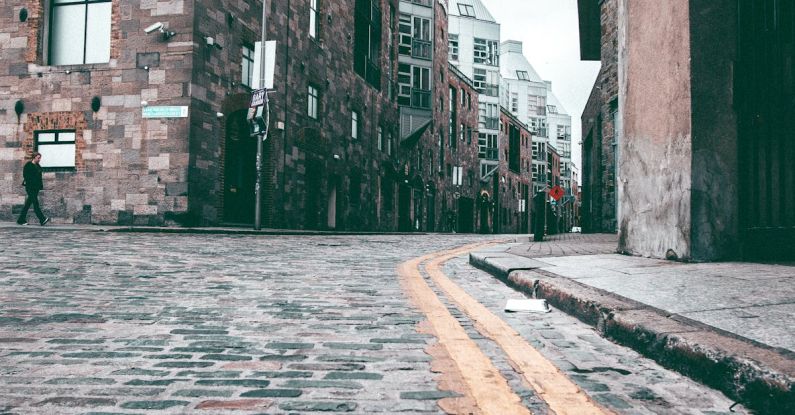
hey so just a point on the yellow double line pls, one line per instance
(484, 383)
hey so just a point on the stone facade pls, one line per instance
(154, 171)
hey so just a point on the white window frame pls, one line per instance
(58, 148)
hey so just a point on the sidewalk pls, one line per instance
(728, 325)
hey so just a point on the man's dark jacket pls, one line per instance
(32, 175)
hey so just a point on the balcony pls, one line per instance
(421, 49)
(420, 98)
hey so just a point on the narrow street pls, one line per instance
(99, 322)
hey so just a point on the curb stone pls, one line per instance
(760, 377)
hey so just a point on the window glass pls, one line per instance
(80, 32)
(312, 101)
(354, 124)
(313, 18)
(57, 149)
(247, 70)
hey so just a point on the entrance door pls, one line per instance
(766, 105)
(404, 208)
(466, 214)
(311, 194)
(239, 171)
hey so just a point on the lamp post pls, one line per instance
(263, 136)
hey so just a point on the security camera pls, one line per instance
(155, 26)
(219, 114)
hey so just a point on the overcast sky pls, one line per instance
(549, 32)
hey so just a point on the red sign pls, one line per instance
(556, 192)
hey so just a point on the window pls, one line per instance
(523, 75)
(514, 102)
(313, 98)
(486, 82)
(421, 87)
(79, 32)
(404, 84)
(389, 144)
(466, 10)
(248, 66)
(452, 47)
(367, 44)
(487, 146)
(354, 125)
(57, 148)
(486, 52)
(314, 22)
(404, 37)
(380, 138)
(421, 39)
(488, 116)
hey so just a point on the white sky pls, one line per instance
(549, 32)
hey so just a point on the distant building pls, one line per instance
(474, 39)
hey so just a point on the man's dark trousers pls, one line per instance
(32, 199)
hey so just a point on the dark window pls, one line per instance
(248, 66)
(367, 44)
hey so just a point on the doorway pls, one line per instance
(240, 157)
(766, 110)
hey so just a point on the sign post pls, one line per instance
(260, 96)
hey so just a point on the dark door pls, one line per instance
(766, 105)
(466, 215)
(239, 171)
(311, 194)
(431, 225)
(404, 209)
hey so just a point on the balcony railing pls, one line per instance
(421, 49)
(420, 98)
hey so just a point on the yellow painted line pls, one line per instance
(486, 385)
(555, 388)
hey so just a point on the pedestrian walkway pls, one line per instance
(728, 324)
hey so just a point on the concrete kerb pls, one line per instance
(756, 375)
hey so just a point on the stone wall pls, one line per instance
(124, 164)
(656, 144)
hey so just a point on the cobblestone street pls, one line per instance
(108, 322)
(118, 323)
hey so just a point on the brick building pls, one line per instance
(599, 149)
(512, 184)
(150, 129)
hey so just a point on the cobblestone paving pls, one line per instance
(107, 323)
(614, 376)
(101, 323)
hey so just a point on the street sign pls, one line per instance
(165, 112)
(556, 192)
(258, 98)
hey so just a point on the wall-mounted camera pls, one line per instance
(165, 34)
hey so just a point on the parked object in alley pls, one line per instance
(532, 305)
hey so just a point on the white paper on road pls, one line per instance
(535, 306)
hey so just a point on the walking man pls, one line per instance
(33, 185)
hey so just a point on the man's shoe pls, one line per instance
(45, 221)
(22, 223)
